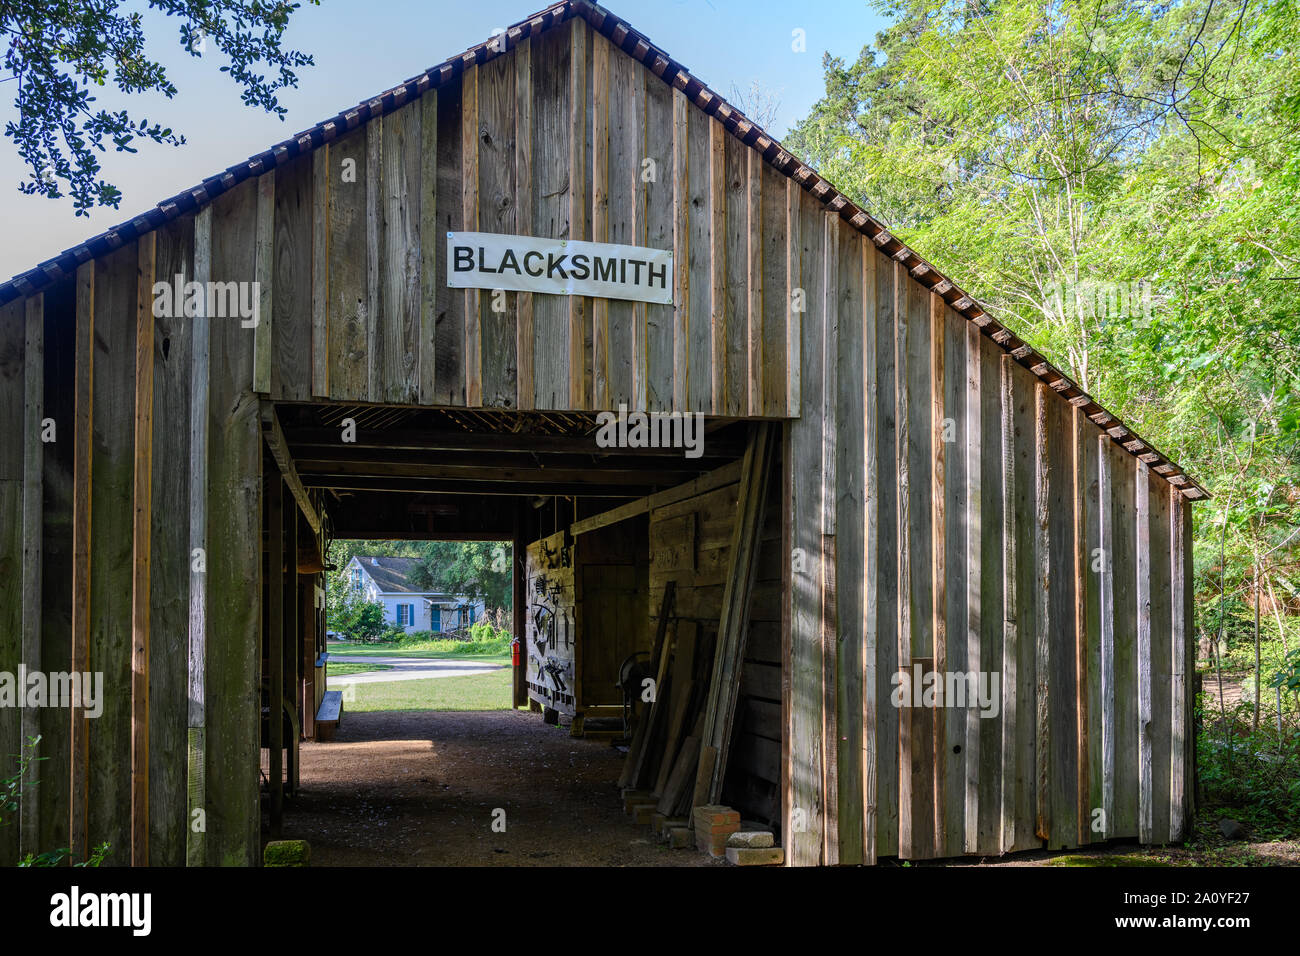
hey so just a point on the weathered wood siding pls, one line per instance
(996, 530)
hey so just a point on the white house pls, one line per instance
(384, 580)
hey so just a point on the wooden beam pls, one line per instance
(275, 440)
(902, 416)
(726, 475)
(431, 246)
(81, 489)
(682, 317)
(870, 537)
(196, 665)
(141, 544)
(754, 285)
(263, 340)
(794, 281)
(718, 262)
(519, 601)
(33, 544)
(473, 358)
(1083, 780)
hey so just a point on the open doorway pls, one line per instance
(487, 579)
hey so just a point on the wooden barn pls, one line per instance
(889, 488)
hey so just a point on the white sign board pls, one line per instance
(489, 260)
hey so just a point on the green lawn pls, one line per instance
(338, 670)
(473, 692)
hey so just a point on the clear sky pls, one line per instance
(362, 48)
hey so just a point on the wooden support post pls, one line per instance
(287, 689)
(32, 538)
(826, 559)
(682, 318)
(275, 643)
(320, 175)
(141, 538)
(579, 306)
(524, 215)
(82, 454)
(1083, 780)
(196, 667)
(902, 417)
(600, 177)
(754, 285)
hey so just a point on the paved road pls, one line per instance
(406, 668)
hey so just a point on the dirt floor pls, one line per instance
(418, 788)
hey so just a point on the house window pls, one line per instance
(356, 577)
(406, 614)
(471, 616)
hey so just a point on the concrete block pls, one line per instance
(747, 856)
(754, 839)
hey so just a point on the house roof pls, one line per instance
(390, 574)
(635, 44)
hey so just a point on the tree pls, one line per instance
(58, 51)
(478, 568)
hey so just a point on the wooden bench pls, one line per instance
(329, 714)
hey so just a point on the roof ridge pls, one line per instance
(639, 47)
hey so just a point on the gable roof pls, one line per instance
(390, 574)
(636, 45)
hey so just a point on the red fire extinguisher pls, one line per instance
(514, 652)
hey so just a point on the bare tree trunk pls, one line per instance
(1255, 721)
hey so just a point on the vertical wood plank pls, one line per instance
(776, 297)
(551, 210)
(1142, 513)
(718, 261)
(659, 373)
(273, 595)
(754, 276)
(398, 322)
(169, 573)
(974, 450)
(793, 279)
(626, 216)
(1178, 633)
(1010, 625)
(320, 271)
(735, 282)
(13, 333)
(234, 579)
(827, 496)
(374, 253)
(469, 122)
(1159, 730)
(30, 579)
(870, 538)
(702, 357)
(681, 254)
(146, 260)
(81, 551)
(348, 316)
(992, 610)
(263, 347)
(600, 173)
(579, 306)
(908, 824)
(292, 294)
(1043, 616)
(1079, 507)
(1106, 583)
(1125, 698)
(196, 664)
(431, 243)
(448, 303)
(498, 202)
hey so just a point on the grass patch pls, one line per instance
(472, 692)
(338, 670)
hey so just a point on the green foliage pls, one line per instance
(58, 52)
(1116, 183)
(11, 789)
(1252, 775)
(477, 568)
(347, 613)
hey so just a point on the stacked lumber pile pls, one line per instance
(677, 760)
